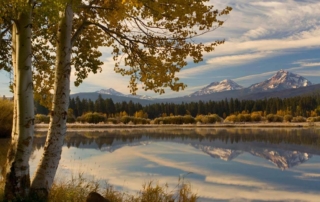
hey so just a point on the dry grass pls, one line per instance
(77, 189)
(6, 116)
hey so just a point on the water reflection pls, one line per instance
(225, 164)
(283, 147)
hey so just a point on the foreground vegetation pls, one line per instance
(78, 188)
(6, 115)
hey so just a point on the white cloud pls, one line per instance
(255, 76)
(256, 33)
(237, 59)
(309, 64)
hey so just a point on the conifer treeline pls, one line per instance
(297, 106)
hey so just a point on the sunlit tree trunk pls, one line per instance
(48, 165)
(17, 166)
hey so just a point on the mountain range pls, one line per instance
(283, 84)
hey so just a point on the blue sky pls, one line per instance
(262, 37)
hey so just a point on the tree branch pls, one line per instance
(78, 32)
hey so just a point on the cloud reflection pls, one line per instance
(164, 159)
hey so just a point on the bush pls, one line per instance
(314, 119)
(92, 118)
(277, 118)
(187, 119)
(255, 116)
(299, 119)
(274, 118)
(41, 118)
(212, 118)
(287, 118)
(231, 118)
(270, 117)
(112, 120)
(6, 117)
(134, 120)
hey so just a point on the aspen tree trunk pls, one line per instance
(48, 165)
(17, 166)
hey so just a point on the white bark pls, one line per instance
(48, 165)
(17, 167)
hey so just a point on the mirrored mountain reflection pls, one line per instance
(285, 148)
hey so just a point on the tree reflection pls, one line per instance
(308, 137)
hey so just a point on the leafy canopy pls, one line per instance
(150, 40)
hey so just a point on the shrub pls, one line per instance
(314, 119)
(187, 119)
(255, 116)
(231, 118)
(134, 120)
(112, 120)
(299, 119)
(270, 117)
(6, 117)
(287, 118)
(41, 118)
(274, 118)
(92, 118)
(277, 118)
(70, 116)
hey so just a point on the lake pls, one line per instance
(238, 164)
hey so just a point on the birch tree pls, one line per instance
(17, 16)
(150, 41)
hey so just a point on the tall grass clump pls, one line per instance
(74, 190)
(6, 117)
(78, 188)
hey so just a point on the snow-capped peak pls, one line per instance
(109, 91)
(144, 97)
(224, 85)
(281, 80)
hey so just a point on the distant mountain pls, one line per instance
(109, 91)
(283, 84)
(224, 85)
(280, 81)
(94, 96)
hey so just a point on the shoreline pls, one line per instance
(39, 127)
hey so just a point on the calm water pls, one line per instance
(220, 164)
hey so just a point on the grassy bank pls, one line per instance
(78, 188)
(216, 125)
